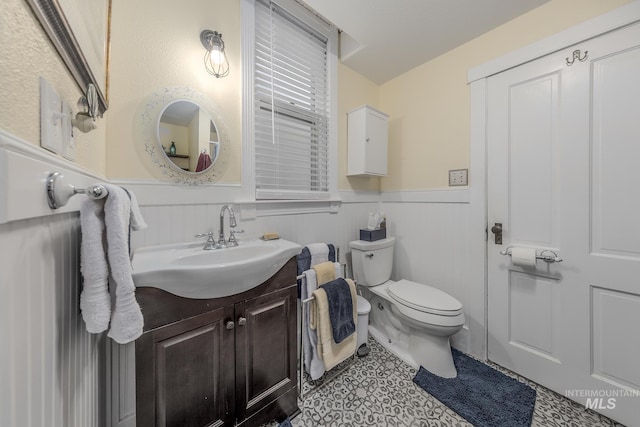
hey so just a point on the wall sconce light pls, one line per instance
(215, 58)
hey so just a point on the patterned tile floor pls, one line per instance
(378, 391)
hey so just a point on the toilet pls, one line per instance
(412, 320)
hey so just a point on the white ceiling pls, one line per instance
(385, 38)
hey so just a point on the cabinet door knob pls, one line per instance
(242, 321)
(367, 139)
(230, 324)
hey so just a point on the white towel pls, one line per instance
(126, 320)
(95, 302)
(319, 253)
(312, 361)
(137, 222)
(106, 223)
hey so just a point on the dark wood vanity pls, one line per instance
(218, 362)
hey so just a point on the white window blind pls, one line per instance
(291, 106)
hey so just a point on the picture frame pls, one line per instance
(80, 31)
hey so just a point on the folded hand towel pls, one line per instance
(95, 301)
(331, 352)
(325, 272)
(127, 320)
(137, 222)
(341, 309)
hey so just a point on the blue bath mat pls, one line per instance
(480, 394)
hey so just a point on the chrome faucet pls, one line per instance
(232, 223)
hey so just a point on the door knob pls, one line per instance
(229, 324)
(242, 321)
(497, 231)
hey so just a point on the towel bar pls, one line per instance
(59, 192)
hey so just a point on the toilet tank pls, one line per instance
(372, 261)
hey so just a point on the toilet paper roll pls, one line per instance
(523, 257)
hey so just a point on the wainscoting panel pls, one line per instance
(432, 247)
(171, 224)
(49, 365)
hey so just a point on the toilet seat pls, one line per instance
(424, 298)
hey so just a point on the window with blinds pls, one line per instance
(291, 115)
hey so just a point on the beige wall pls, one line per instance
(163, 50)
(429, 105)
(26, 54)
(156, 45)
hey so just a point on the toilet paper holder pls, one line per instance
(546, 255)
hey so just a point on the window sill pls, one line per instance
(251, 209)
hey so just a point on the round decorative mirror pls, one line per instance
(184, 136)
(188, 136)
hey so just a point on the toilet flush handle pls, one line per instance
(369, 255)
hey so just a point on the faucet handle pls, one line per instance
(232, 237)
(211, 243)
(209, 234)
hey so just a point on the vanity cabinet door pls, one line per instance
(184, 372)
(266, 353)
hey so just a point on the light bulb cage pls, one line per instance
(210, 40)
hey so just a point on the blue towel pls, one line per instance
(340, 309)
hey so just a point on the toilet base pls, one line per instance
(434, 354)
(399, 348)
(413, 350)
(416, 343)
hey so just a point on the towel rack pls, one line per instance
(59, 191)
(304, 307)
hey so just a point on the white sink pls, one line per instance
(188, 271)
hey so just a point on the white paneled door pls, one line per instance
(564, 176)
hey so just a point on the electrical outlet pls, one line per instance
(458, 177)
(50, 118)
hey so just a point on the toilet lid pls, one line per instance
(424, 298)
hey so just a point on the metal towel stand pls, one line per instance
(304, 307)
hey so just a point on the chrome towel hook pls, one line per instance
(59, 192)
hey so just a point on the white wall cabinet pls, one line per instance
(367, 139)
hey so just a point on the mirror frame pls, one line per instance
(62, 33)
(149, 120)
